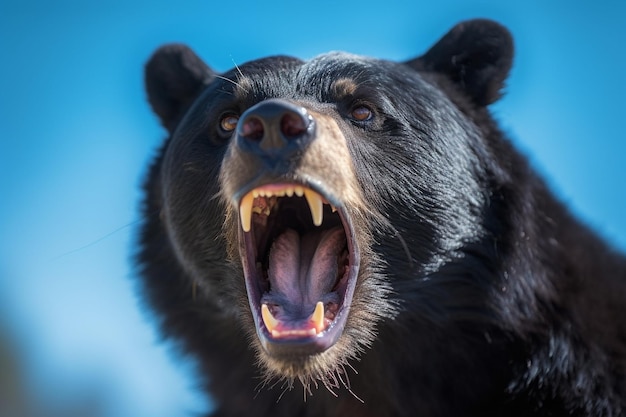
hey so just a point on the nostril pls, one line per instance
(275, 129)
(293, 125)
(252, 129)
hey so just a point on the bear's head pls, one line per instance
(306, 202)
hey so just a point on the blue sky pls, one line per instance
(76, 135)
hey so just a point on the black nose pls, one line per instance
(275, 128)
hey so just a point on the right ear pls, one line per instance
(174, 77)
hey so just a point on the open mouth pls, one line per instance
(300, 263)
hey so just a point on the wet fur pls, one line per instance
(479, 294)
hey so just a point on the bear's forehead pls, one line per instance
(337, 73)
(339, 62)
(326, 64)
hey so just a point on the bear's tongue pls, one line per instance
(303, 270)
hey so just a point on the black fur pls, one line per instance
(478, 293)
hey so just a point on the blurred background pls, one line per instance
(76, 135)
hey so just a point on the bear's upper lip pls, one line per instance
(300, 262)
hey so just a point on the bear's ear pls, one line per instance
(476, 55)
(174, 77)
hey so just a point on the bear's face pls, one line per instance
(285, 181)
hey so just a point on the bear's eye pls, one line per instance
(228, 122)
(361, 113)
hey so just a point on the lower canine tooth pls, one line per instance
(269, 320)
(318, 317)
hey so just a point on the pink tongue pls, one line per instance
(303, 269)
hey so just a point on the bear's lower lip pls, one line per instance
(300, 262)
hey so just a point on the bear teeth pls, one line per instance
(316, 320)
(245, 212)
(268, 319)
(315, 205)
(318, 317)
(314, 201)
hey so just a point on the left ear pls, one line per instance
(476, 55)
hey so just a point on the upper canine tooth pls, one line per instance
(245, 211)
(315, 205)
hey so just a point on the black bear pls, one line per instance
(348, 236)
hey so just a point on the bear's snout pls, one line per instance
(275, 130)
